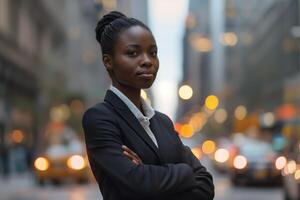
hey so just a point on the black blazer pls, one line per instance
(170, 171)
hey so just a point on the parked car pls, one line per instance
(225, 150)
(254, 162)
(62, 157)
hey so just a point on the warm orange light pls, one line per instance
(221, 155)
(297, 174)
(208, 147)
(187, 131)
(197, 152)
(229, 39)
(287, 111)
(280, 162)
(240, 162)
(212, 102)
(200, 43)
(240, 112)
(197, 121)
(41, 164)
(178, 127)
(17, 136)
(76, 162)
(290, 168)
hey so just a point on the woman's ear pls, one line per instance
(107, 61)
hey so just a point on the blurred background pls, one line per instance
(229, 78)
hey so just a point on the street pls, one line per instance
(23, 188)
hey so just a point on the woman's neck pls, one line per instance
(133, 94)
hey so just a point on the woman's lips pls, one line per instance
(146, 75)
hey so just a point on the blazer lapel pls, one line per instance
(160, 137)
(122, 109)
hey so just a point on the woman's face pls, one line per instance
(135, 62)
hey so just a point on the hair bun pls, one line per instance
(106, 20)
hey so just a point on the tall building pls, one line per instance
(260, 56)
(26, 39)
(197, 48)
(86, 75)
(266, 56)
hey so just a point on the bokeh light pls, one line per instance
(240, 112)
(186, 131)
(229, 39)
(200, 43)
(220, 115)
(290, 168)
(185, 92)
(268, 119)
(280, 162)
(240, 162)
(211, 102)
(41, 164)
(297, 174)
(17, 136)
(76, 162)
(208, 147)
(221, 155)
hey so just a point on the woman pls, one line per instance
(134, 151)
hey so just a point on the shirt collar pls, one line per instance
(148, 110)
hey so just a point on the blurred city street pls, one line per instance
(229, 78)
(22, 187)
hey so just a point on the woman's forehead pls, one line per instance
(136, 35)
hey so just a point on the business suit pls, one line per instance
(168, 172)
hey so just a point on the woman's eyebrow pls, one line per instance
(137, 45)
(133, 45)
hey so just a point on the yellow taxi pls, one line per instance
(62, 158)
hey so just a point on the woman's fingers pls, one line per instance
(131, 154)
(129, 150)
(132, 158)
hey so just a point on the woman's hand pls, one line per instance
(132, 155)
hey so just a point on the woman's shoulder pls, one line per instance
(101, 110)
(163, 117)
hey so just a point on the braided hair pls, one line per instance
(109, 28)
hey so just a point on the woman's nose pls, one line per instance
(146, 61)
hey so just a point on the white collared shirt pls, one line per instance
(148, 110)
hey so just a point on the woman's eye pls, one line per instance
(154, 53)
(132, 53)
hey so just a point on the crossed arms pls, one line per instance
(186, 180)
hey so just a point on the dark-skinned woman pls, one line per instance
(133, 150)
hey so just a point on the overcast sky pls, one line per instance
(167, 19)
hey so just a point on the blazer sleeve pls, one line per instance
(204, 180)
(103, 142)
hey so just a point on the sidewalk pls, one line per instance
(14, 184)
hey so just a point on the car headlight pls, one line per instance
(221, 155)
(76, 162)
(280, 162)
(41, 164)
(240, 162)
